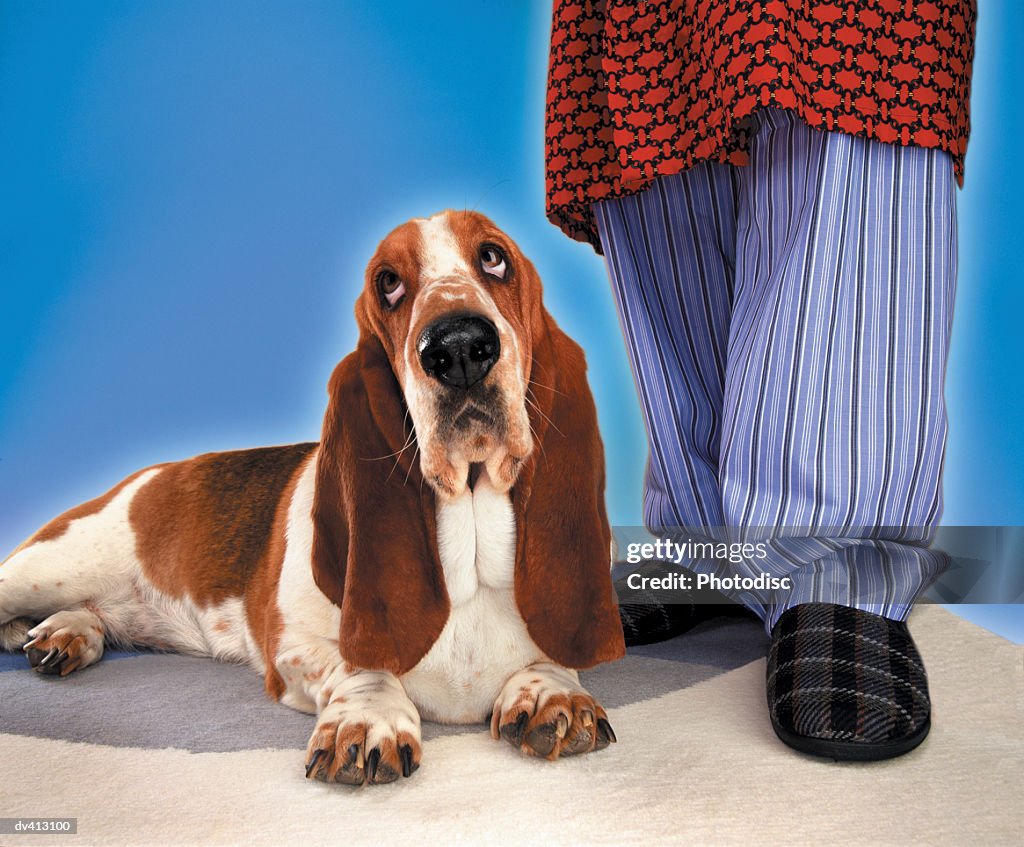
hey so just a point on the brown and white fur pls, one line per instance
(368, 588)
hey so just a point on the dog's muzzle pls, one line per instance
(459, 350)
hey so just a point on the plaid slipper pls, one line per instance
(846, 683)
(650, 615)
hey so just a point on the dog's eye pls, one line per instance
(391, 287)
(493, 261)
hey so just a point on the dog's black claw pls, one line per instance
(44, 662)
(353, 751)
(605, 729)
(405, 754)
(514, 731)
(314, 761)
(371, 764)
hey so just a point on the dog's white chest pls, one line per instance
(485, 639)
(476, 537)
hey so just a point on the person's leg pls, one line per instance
(834, 418)
(670, 252)
(834, 422)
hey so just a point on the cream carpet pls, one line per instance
(168, 760)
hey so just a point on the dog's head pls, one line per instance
(459, 371)
(455, 303)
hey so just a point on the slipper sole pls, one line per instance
(852, 751)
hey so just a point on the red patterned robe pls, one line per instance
(644, 89)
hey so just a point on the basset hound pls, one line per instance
(443, 552)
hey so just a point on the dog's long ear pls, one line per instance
(563, 582)
(374, 527)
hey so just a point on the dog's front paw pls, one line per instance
(543, 711)
(365, 740)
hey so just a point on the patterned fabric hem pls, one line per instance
(576, 218)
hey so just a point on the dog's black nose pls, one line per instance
(459, 350)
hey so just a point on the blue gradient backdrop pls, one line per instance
(189, 192)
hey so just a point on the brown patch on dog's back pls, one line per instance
(204, 525)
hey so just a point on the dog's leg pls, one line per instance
(367, 729)
(42, 582)
(544, 711)
(37, 584)
(43, 578)
(76, 567)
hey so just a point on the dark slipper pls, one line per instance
(846, 684)
(650, 615)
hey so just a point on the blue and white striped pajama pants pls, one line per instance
(788, 324)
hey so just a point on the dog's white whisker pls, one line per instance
(540, 412)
